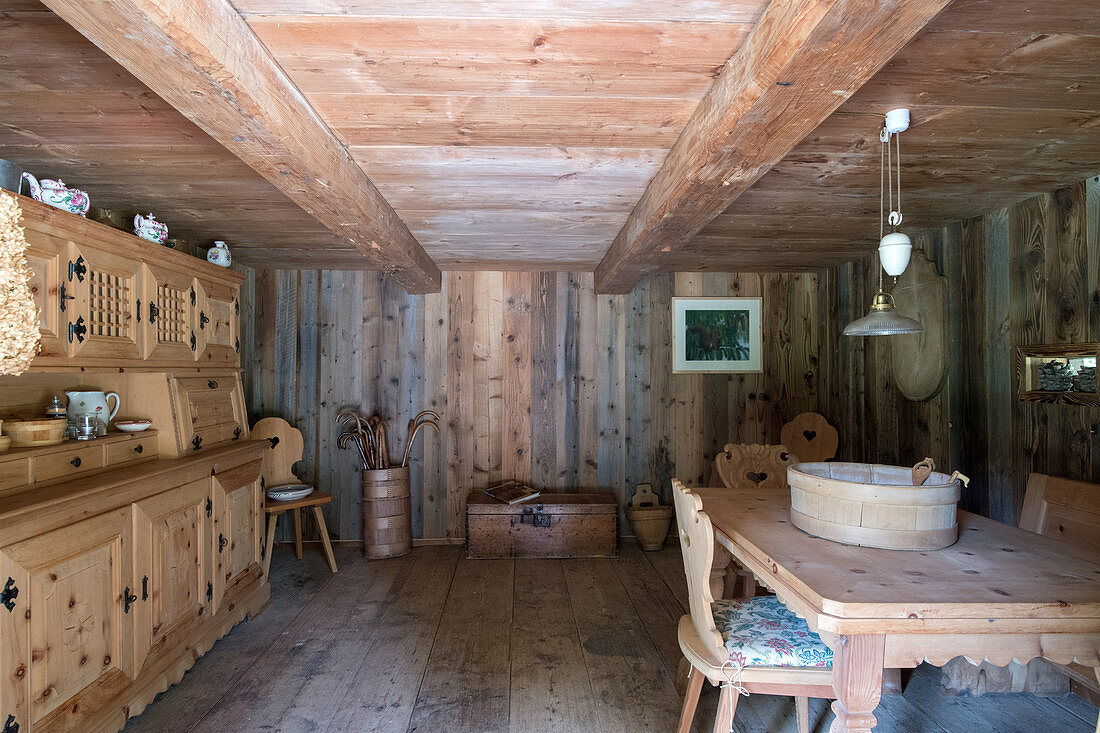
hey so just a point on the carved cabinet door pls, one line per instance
(236, 546)
(46, 258)
(171, 546)
(102, 319)
(164, 314)
(217, 316)
(65, 623)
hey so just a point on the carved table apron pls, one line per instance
(1000, 593)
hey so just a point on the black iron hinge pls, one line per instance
(192, 341)
(77, 268)
(263, 550)
(203, 320)
(78, 330)
(153, 312)
(209, 591)
(127, 599)
(192, 295)
(236, 306)
(10, 726)
(209, 507)
(263, 484)
(196, 442)
(237, 345)
(237, 433)
(9, 594)
(145, 588)
(222, 542)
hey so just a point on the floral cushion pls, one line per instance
(763, 632)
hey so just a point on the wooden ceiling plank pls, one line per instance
(798, 65)
(202, 58)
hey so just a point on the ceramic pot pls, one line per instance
(147, 227)
(58, 195)
(219, 254)
(93, 403)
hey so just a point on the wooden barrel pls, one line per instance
(387, 513)
(874, 506)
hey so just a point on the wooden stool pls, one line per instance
(273, 509)
(286, 450)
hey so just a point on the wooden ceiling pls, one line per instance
(520, 134)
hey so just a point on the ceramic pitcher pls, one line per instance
(147, 227)
(93, 403)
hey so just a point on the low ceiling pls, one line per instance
(513, 134)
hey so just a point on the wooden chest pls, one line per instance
(552, 525)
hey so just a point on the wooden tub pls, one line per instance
(874, 506)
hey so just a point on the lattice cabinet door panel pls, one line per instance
(66, 626)
(218, 318)
(236, 545)
(171, 541)
(46, 258)
(165, 314)
(103, 321)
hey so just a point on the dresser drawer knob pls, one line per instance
(212, 384)
(139, 448)
(75, 462)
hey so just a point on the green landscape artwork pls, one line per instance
(716, 335)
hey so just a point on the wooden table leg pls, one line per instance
(269, 545)
(320, 517)
(298, 532)
(722, 561)
(857, 682)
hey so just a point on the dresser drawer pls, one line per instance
(15, 473)
(134, 449)
(69, 462)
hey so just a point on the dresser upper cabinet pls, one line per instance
(110, 299)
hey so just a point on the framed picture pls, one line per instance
(716, 335)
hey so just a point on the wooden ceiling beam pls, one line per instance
(204, 60)
(802, 61)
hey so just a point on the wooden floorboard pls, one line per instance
(466, 686)
(550, 689)
(433, 641)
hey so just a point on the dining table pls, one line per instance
(999, 593)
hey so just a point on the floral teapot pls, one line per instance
(58, 195)
(147, 227)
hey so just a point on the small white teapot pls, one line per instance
(58, 195)
(147, 227)
(219, 254)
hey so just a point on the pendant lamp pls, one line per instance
(894, 248)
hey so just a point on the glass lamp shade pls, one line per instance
(893, 252)
(882, 320)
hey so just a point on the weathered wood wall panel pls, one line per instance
(536, 377)
(1028, 274)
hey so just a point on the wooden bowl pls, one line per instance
(32, 433)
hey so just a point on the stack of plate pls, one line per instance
(289, 492)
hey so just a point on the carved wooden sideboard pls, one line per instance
(123, 559)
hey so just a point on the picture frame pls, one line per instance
(720, 335)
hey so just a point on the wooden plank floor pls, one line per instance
(433, 641)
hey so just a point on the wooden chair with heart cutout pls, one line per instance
(810, 437)
(746, 466)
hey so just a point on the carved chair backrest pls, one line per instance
(1062, 508)
(742, 466)
(810, 437)
(697, 546)
(285, 450)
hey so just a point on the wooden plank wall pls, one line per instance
(537, 378)
(1028, 274)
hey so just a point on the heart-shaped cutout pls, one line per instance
(755, 477)
(809, 434)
